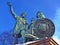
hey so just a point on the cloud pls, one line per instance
(56, 39)
(56, 21)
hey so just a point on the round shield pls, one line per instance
(44, 28)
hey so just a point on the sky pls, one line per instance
(56, 21)
(50, 8)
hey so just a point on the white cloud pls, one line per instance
(56, 21)
(56, 39)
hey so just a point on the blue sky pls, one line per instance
(50, 8)
(56, 21)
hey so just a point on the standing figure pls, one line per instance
(32, 27)
(31, 34)
(20, 26)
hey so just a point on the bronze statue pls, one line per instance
(20, 26)
(39, 28)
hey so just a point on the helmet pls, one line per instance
(40, 15)
(23, 15)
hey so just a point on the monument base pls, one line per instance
(48, 41)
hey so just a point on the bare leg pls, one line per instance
(23, 36)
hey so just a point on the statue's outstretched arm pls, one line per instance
(11, 9)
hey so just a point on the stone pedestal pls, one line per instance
(48, 41)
